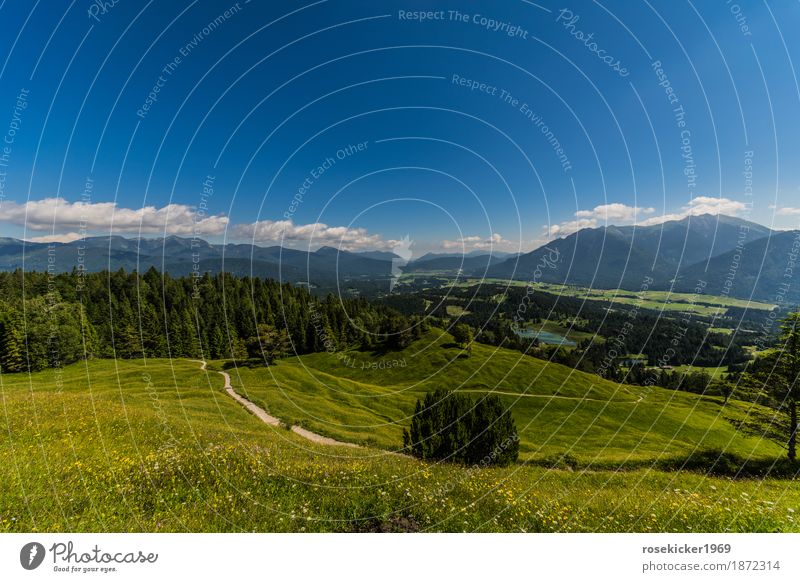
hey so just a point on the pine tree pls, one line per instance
(778, 373)
(450, 426)
(12, 340)
(217, 345)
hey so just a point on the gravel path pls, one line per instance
(267, 418)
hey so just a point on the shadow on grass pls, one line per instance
(249, 363)
(712, 463)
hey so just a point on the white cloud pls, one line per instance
(465, 242)
(317, 234)
(621, 214)
(570, 226)
(615, 212)
(69, 221)
(57, 214)
(787, 211)
(50, 238)
(470, 243)
(700, 205)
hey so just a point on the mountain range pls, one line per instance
(182, 256)
(474, 263)
(731, 256)
(724, 254)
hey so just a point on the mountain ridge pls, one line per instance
(627, 257)
(669, 256)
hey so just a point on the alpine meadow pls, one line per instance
(343, 267)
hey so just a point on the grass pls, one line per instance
(129, 446)
(713, 371)
(456, 310)
(706, 305)
(722, 330)
(557, 410)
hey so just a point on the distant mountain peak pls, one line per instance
(613, 256)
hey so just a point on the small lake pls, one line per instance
(545, 337)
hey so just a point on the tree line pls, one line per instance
(54, 320)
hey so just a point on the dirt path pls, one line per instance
(267, 418)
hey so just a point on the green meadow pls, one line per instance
(159, 446)
(367, 399)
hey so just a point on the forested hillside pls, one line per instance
(67, 317)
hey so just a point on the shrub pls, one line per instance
(451, 426)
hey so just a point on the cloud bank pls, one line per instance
(621, 214)
(59, 215)
(65, 221)
(471, 243)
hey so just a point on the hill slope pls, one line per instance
(368, 399)
(159, 447)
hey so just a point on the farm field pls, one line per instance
(158, 446)
(713, 371)
(662, 296)
(706, 305)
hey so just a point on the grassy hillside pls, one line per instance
(557, 410)
(129, 446)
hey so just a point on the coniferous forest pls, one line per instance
(67, 317)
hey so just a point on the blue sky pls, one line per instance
(354, 124)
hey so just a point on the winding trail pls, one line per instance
(267, 418)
